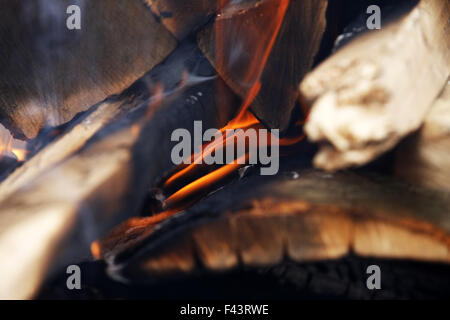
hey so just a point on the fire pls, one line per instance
(191, 181)
(256, 33)
(21, 154)
(11, 146)
(202, 183)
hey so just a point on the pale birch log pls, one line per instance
(51, 213)
(379, 88)
(424, 158)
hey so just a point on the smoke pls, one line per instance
(46, 36)
(45, 20)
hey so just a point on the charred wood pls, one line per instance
(104, 181)
(260, 222)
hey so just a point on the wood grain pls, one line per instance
(52, 212)
(316, 217)
(424, 157)
(50, 73)
(290, 59)
(379, 88)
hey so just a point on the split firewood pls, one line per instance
(61, 149)
(308, 216)
(376, 90)
(52, 215)
(262, 42)
(183, 17)
(51, 73)
(424, 157)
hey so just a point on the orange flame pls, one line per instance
(204, 182)
(11, 146)
(254, 34)
(21, 154)
(257, 33)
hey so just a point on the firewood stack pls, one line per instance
(98, 105)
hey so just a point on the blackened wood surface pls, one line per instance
(333, 279)
(317, 216)
(56, 214)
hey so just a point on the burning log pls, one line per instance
(83, 195)
(116, 160)
(50, 73)
(190, 182)
(257, 222)
(64, 147)
(379, 88)
(264, 49)
(424, 158)
(43, 202)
